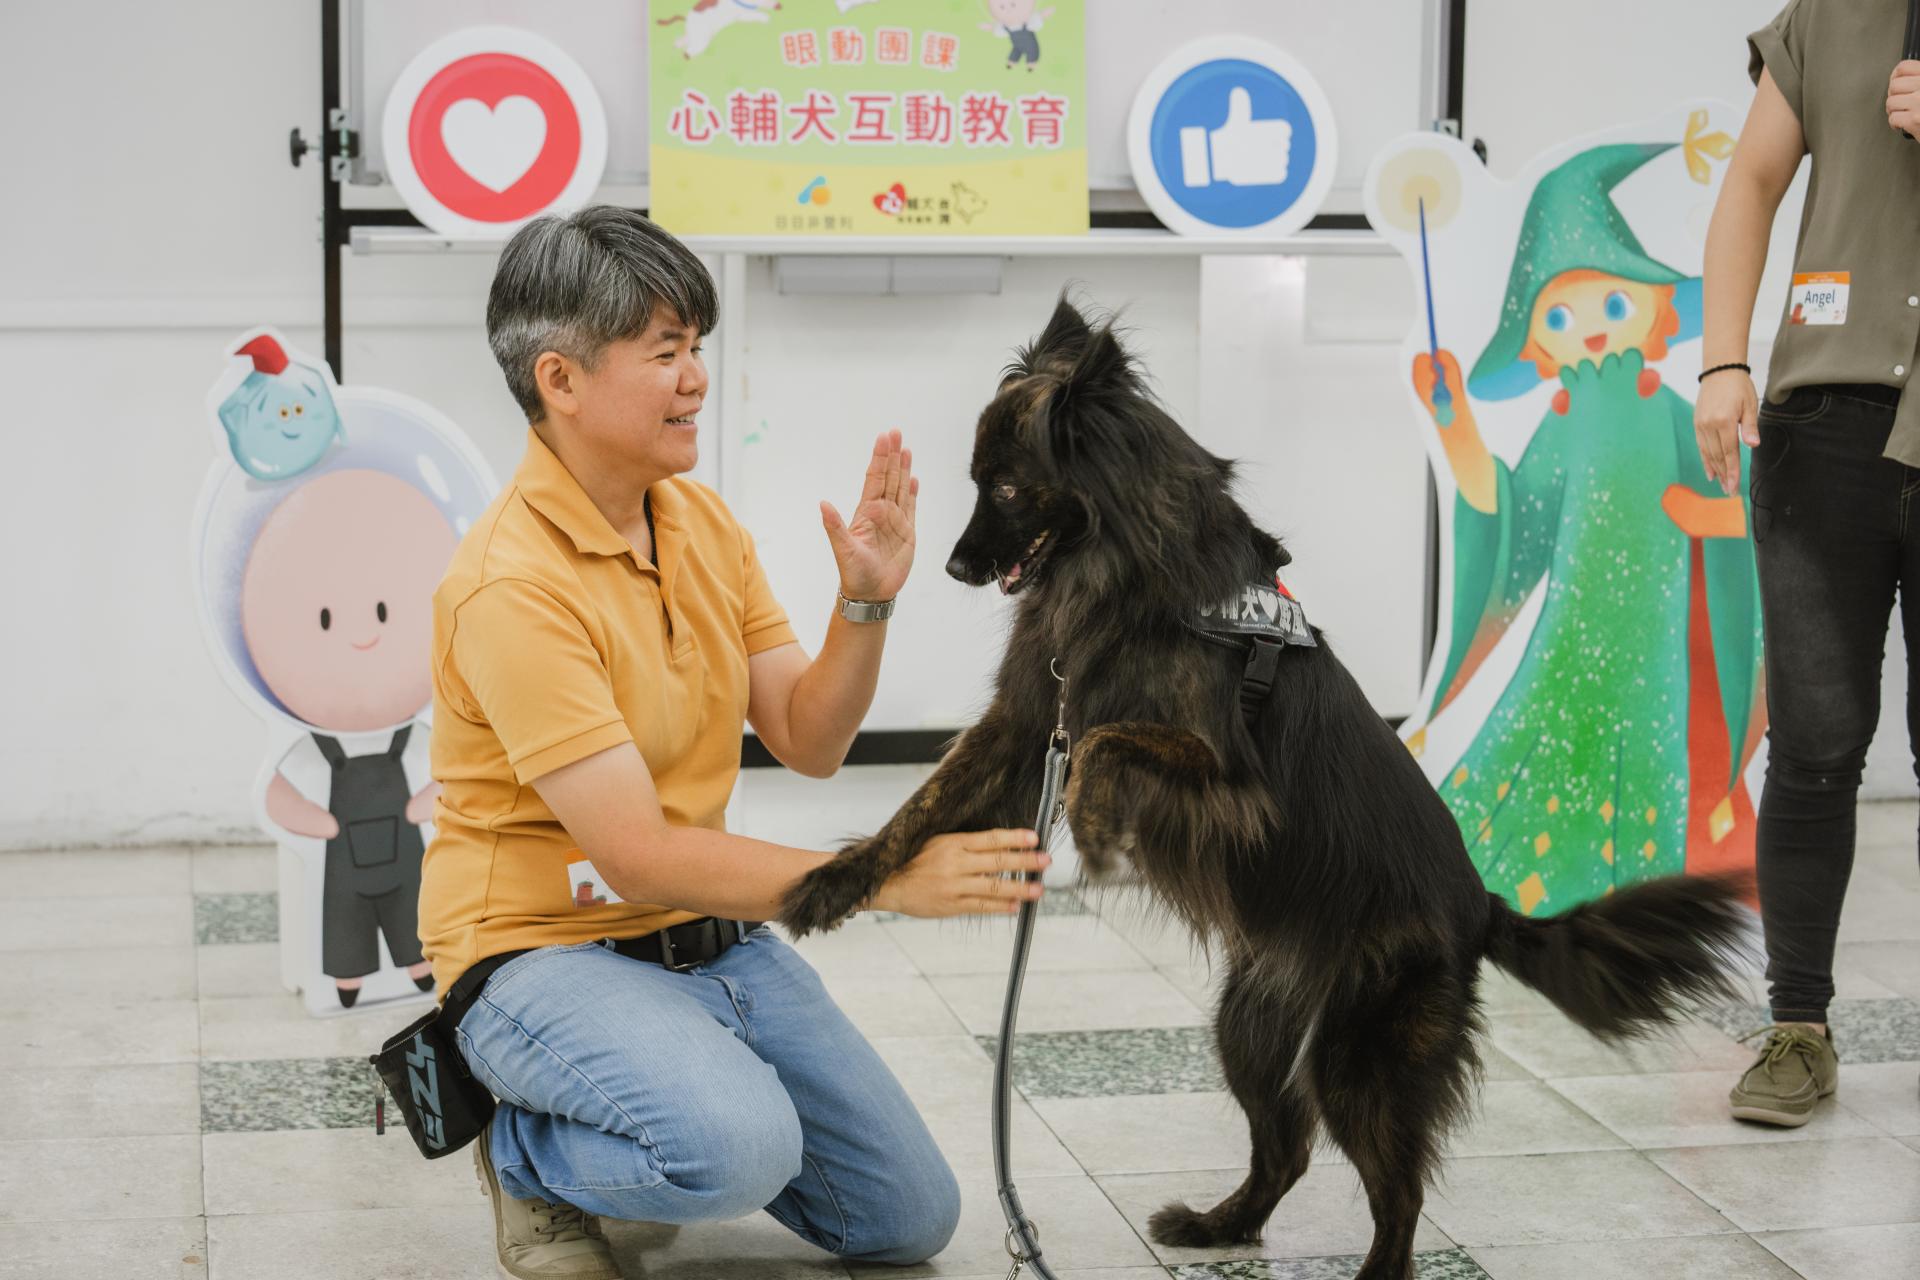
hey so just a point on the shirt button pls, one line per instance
(1899, 371)
(1913, 301)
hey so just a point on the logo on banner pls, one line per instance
(489, 127)
(1231, 136)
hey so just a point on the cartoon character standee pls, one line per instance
(316, 571)
(1611, 744)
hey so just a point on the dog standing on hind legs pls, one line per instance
(1297, 837)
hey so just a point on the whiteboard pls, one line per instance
(1371, 57)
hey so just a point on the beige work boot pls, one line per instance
(540, 1240)
(1796, 1068)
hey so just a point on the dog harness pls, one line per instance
(1259, 621)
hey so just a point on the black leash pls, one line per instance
(1023, 1237)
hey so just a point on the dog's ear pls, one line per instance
(1102, 373)
(1066, 332)
(1064, 338)
(1103, 366)
(1269, 549)
(1060, 343)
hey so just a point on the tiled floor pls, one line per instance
(170, 1112)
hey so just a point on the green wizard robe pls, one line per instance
(1580, 773)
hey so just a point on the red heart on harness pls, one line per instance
(892, 200)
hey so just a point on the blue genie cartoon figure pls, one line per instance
(281, 419)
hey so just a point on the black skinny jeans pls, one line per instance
(1836, 535)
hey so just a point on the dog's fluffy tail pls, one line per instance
(1625, 964)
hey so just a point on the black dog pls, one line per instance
(1302, 841)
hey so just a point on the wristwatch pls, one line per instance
(865, 610)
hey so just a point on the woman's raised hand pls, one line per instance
(874, 550)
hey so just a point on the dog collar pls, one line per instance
(1258, 611)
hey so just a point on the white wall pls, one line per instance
(150, 214)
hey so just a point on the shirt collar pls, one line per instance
(550, 489)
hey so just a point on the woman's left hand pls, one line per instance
(875, 549)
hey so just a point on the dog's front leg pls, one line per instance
(979, 784)
(1156, 794)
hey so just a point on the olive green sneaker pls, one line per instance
(1796, 1068)
(539, 1240)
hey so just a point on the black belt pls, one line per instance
(680, 948)
(683, 946)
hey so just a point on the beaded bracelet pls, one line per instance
(1722, 368)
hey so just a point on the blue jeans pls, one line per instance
(645, 1095)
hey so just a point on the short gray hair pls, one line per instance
(575, 284)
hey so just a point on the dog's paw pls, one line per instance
(1099, 816)
(827, 895)
(1178, 1224)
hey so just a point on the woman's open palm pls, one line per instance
(874, 550)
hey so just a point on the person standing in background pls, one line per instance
(1836, 461)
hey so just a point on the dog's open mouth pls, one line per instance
(1023, 570)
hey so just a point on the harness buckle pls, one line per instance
(1263, 664)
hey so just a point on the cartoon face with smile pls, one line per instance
(335, 601)
(1588, 315)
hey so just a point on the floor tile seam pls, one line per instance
(1801, 1144)
(1145, 964)
(1575, 1104)
(199, 1072)
(1755, 1237)
(1120, 1213)
(1834, 1226)
(1473, 1251)
(1642, 1157)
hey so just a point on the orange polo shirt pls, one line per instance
(552, 640)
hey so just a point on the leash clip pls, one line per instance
(1017, 1251)
(1060, 718)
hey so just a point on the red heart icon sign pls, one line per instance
(892, 200)
(479, 93)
